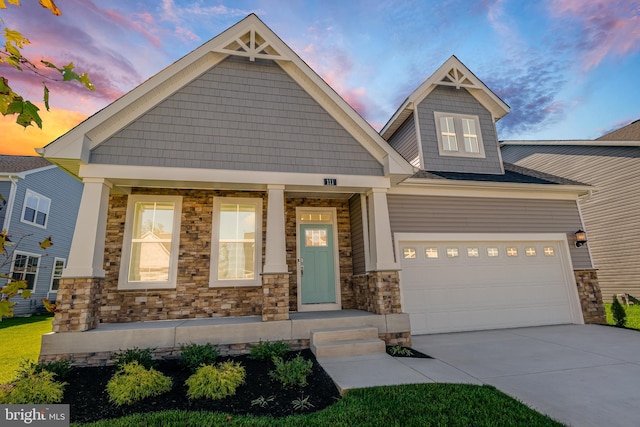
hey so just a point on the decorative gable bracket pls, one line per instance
(251, 45)
(457, 78)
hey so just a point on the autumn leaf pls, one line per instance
(4, 6)
(49, 306)
(6, 307)
(27, 112)
(46, 243)
(3, 241)
(68, 74)
(49, 4)
(46, 97)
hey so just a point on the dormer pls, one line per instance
(448, 123)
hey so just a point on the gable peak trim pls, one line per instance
(251, 44)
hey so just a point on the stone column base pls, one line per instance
(77, 304)
(275, 300)
(590, 296)
(378, 292)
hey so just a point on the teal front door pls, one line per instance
(317, 271)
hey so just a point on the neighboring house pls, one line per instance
(236, 184)
(41, 200)
(611, 164)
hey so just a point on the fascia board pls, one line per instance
(574, 142)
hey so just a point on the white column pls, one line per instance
(380, 241)
(275, 260)
(86, 256)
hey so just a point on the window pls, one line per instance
(151, 240)
(25, 267)
(409, 253)
(512, 251)
(459, 135)
(530, 251)
(548, 251)
(473, 252)
(431, 252)
(493, 252)
(58, 266)
(237, 241)
(452, 252)
(35, 210)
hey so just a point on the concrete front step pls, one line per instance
(348, 333)
(348, 348)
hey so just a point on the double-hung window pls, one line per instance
(35, 210)
(58, 266)
(236, 249)
(25, 267)
(458, 135)
(151, 242)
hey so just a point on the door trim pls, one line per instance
(336, 259)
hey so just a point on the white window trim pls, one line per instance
(24, 209)
(123, 281)
(457, 120)
(53, 272)
(215, 234)
(30, 254)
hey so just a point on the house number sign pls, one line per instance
(330, 181)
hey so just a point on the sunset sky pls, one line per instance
(567, 68)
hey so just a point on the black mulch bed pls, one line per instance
(414, 353)
(86, 392)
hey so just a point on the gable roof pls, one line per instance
(630, 132)
(249, 38)
(455, 74)
(16, 164)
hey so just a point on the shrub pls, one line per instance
(619, 315)
(192, 356)
(133, 382)
(292, 373)
(398, 350)
(36, 388)
(61, 368)
(215, 382)
(135, 354)
(266, 350)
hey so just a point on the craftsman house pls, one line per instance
(236, 197)
(38, 201)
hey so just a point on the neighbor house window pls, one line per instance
(58, 266)
(237, 241)
(35, 210)
(151, 241)
(459, 135)
(25, 267)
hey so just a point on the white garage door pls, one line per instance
(450, 286)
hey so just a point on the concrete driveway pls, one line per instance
(580, 375)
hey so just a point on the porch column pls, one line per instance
(275, 259)
(275, 273)
(86, 257)
(380, 241)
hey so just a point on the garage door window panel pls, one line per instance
(431, 252)
(409, 253)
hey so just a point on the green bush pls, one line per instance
(292, 373)
(266, 350)
(135, 354)
(33, 387)
(619, 315)
(61, 368)
(192, 356)
(215, 382)
(133, 382)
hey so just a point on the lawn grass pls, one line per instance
(633, 315)
(404, 405)
(20, 337)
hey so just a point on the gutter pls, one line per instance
(10, 201)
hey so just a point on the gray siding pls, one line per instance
(5, 191)
(65, 193)
(405, 140)
(457, 101)
(610, 215)
(357, 235)
(432, 214)
(243, 116)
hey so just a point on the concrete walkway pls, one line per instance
(580, 375)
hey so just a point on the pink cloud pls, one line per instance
(608, 27)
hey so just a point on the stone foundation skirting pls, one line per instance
(590, 296)
(378, 292)
(397, 338)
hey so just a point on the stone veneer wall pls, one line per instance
(192, 297)
(344, 246)
(590, 296)
(378, 292)
(78, 302)
(275, 305)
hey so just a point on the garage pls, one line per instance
(452, 283)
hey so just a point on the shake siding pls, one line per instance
(357, 235)
(432, 214)
(610, 215)
(457, 101)
(65, 193)
(405, 141)
(242, 116)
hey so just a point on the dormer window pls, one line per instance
(459, 135)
